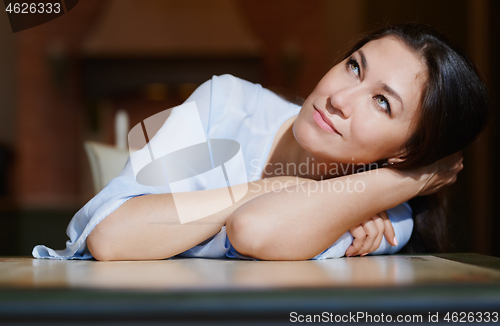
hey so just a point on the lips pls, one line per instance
(327, 121)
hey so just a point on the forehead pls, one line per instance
(391, 62)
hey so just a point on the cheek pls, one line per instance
(375, 138)
(366, 131)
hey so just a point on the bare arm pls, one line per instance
(148, 227)
(297, 223)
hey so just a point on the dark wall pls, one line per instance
(495, 101)
(448, 16)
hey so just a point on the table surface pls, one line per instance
(30, 287)
(230, 274)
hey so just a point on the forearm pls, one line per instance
(299, 222)
(148, 227)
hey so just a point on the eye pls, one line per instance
(353, 65)
(383, 103)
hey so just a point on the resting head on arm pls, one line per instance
(404, 98)
(453, 111)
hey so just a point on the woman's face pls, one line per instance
(370, 98)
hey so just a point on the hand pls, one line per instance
(445, 173)
(437, 175)
(368, 235)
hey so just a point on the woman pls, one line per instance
(404, 98)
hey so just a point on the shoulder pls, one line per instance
(244, 100)
(230, 89)
(230, 81)
(223, 87)
(227, 92)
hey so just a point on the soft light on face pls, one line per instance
(370, 98)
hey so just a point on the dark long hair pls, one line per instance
(454, 109)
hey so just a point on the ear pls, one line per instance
(400, 157)
(392, 160)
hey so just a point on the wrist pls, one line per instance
(411, 181)
(419, 177)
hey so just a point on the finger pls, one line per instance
(359, 235)
(371, 233)
(390, 234)
(457, 167)
(455, 157)
(450, 162)
(379, 223)
(455, 161)
(349, 251)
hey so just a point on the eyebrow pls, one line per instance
(363, 60)
(386, 87)
(393, 94)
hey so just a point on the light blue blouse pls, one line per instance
(229, 108)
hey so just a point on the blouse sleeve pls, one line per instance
(402, 222)
(116, 192)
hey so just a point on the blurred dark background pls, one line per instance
(62, 82)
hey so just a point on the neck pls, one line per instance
(291, 159)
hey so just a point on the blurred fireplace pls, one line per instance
(148, 56)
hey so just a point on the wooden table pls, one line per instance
(215, 291)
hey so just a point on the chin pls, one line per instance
(301, 133)
(309, 139)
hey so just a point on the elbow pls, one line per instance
(250, 238)
(253, 238)
(244, 236)
(99, 245)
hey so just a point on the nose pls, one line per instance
(341, 102)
